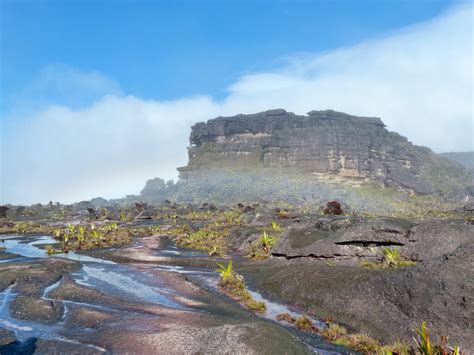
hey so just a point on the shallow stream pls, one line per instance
(127, 292)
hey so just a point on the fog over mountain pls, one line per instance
(418, 80)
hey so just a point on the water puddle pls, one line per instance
(27, 331)
(28, 247)
(124, 282)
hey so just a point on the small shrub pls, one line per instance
(391, 258)
(333, 208)
(275, 226)
(304, 323)
(256, 306)
(423, 342)
(398, 347)
(233, 284)
(286, 317)
(363, 342)
(426, 347)
(334, 331)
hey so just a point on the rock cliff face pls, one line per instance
(322, 144)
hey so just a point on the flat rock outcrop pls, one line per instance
(345, 238)
(321, 144)
(388, 304)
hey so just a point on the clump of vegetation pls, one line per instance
(395, 348)
(25, 228)
(275, 226)
(334, 331)
(256, 306)
(391, 258)
(233, 284)
(50, 250)
(286, 317)
(211, 237)
(333, 208)
(339, 335)
(78, 237)
(425, 346)
(261, 248)
(304, 323)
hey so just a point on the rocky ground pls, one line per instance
(328, 266)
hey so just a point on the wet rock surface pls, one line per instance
(150, 294)
(54, 305)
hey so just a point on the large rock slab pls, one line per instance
(349, 238)
(388, 304)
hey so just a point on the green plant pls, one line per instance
(267, 241)
(233, 284)
(334, 331)
(275, 226)
(391, 258)
(256, 306)
(304, 323)
(286, 317)
(423, 342)
(426, 347)
(225, 271)
(50, 250)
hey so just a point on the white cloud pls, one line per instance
(418, 80)
(62, 85)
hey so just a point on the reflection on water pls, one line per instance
(128, 283)
(124, 282)
(26, 332)
(27, 248)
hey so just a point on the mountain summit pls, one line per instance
(325, 145)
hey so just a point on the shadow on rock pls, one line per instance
(17, 347)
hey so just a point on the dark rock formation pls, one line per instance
(348, 238)
(389, 303)
(154, 187)
(322, 144)
(156, 190)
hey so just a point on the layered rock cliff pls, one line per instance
(322, 144)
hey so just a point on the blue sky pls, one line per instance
(98, 96)
(171, 49)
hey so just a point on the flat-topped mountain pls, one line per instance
(322, 144)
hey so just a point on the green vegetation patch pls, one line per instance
(79, 237)
(212, 236)
(234, 286)
(261, 248)
(391, 258)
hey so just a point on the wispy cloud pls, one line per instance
(418, 80)
(60, 84)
